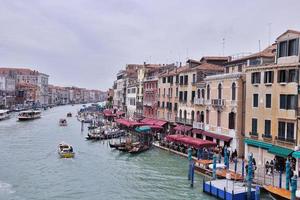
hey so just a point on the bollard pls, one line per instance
(192, 174)
(287, 175)
(280, 179)
(294, 187)
(257, 193)
(81, 125)
(249, 176)
(235, 165)
(214, 166)
(243, 167)
(189, 172)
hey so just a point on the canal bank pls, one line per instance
(31, 169)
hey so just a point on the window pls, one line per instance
(267, 127)
(255, 100)
(293, 75)
(268, 78)
(240, 68)
(293, 47)
(233, 91)
(185, 96)
(288, 102)
(268, 100)
(202, 93)
(198, 93)
(170, 106)
(180, 96)
(194, 78)
(163, 104)
(177, 79)
(282, 76)
(158, 104)
(208, 92)
(164, 79)
(219, 119)
(282, 49)
(254, 126)
(181, 80)
(227, 70)
(164, 92)
(207, 116)
(231, 121)
(176, 92)
(281, 130)
(193, 96)
(220, 91)
(175, 107)
(255, 77)
(186, 80)
(290, 131)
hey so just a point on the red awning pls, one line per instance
(155, 127)
(155, 122)
(187, 140)
(213, 135)
(108, 113)
(128, 123)
(120, 113)
(182, 128)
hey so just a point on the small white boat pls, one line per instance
(65, 150)
(63, 122)
(4, 114)
(29, 115)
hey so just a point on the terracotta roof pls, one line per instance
(224, 58)
(289, 31)
(209, 66)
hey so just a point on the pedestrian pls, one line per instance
(267, 165)
(272, 166)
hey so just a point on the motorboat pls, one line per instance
(4, 114)
(63, 122)
(138, 149)
(29, 115)
(69, 114)
(65, 150)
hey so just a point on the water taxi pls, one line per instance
(4, 114)
(29, 115)
(65, 150)
(63, 122)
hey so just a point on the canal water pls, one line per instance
(30, 168)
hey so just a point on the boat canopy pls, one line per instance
(213, 135)
(190, 141)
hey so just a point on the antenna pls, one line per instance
(258, 45)
(269, 32)
(223, 46)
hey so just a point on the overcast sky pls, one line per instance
(85, 42)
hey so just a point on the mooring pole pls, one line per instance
(280, 179)
(257, 193)
(294, 187)
(249, 176)
(214, 166)
(192, 173)
(235, 165)
(243, 167)
(190, 162)
(287, 174)
(81, 125)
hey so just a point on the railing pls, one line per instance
(208, 102)
(183, 121)
(198, 125)
(199, 101)
(218, 102)
(283, 139)
(253, 135)
(148, 103)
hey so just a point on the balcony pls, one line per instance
(199, 101)
(253, 135)
(267, 137)
(218, 102)
(288, 142)
(183, 121)
(148, 103)
(198, 125)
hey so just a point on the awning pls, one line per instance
(108, 113)
(127, 123)
(155, 127)
(143, 129)
(155, 122)
(213, 135)
(257, 143)
(183, 128)
(190, 141)
(296, 154)
(119, 113)
(280, 151)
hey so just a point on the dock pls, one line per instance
(227, 189)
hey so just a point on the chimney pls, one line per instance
(180, 64)
(144, 63)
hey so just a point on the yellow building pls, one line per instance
(271, 120)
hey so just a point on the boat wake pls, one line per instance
(6, 188)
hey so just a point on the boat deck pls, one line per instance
(234, 176)
(280, 192)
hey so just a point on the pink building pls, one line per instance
(150, 97)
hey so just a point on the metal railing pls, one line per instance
(218, 102)
(183, 121)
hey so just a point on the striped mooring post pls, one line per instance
(249, 176)
(287, 174)
(214, 166)
(226, 160)
(280, 179)
(192, 173)
(294, 187)
(243, 168)
(257, 193)
(235, 165)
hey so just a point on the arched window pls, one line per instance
(184, 115)
(193, 116)
(207, 116)
(220, 91)
(208, 92)
(231, 120)
(198, 116)
(198, 93)
(202, 93)
(180, 114)
(233, 91)
(202, 116)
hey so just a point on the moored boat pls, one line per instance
(4, 114)
(138, 149)
(69, 114)
(29, 115)
(65, 150)
(63, 122)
